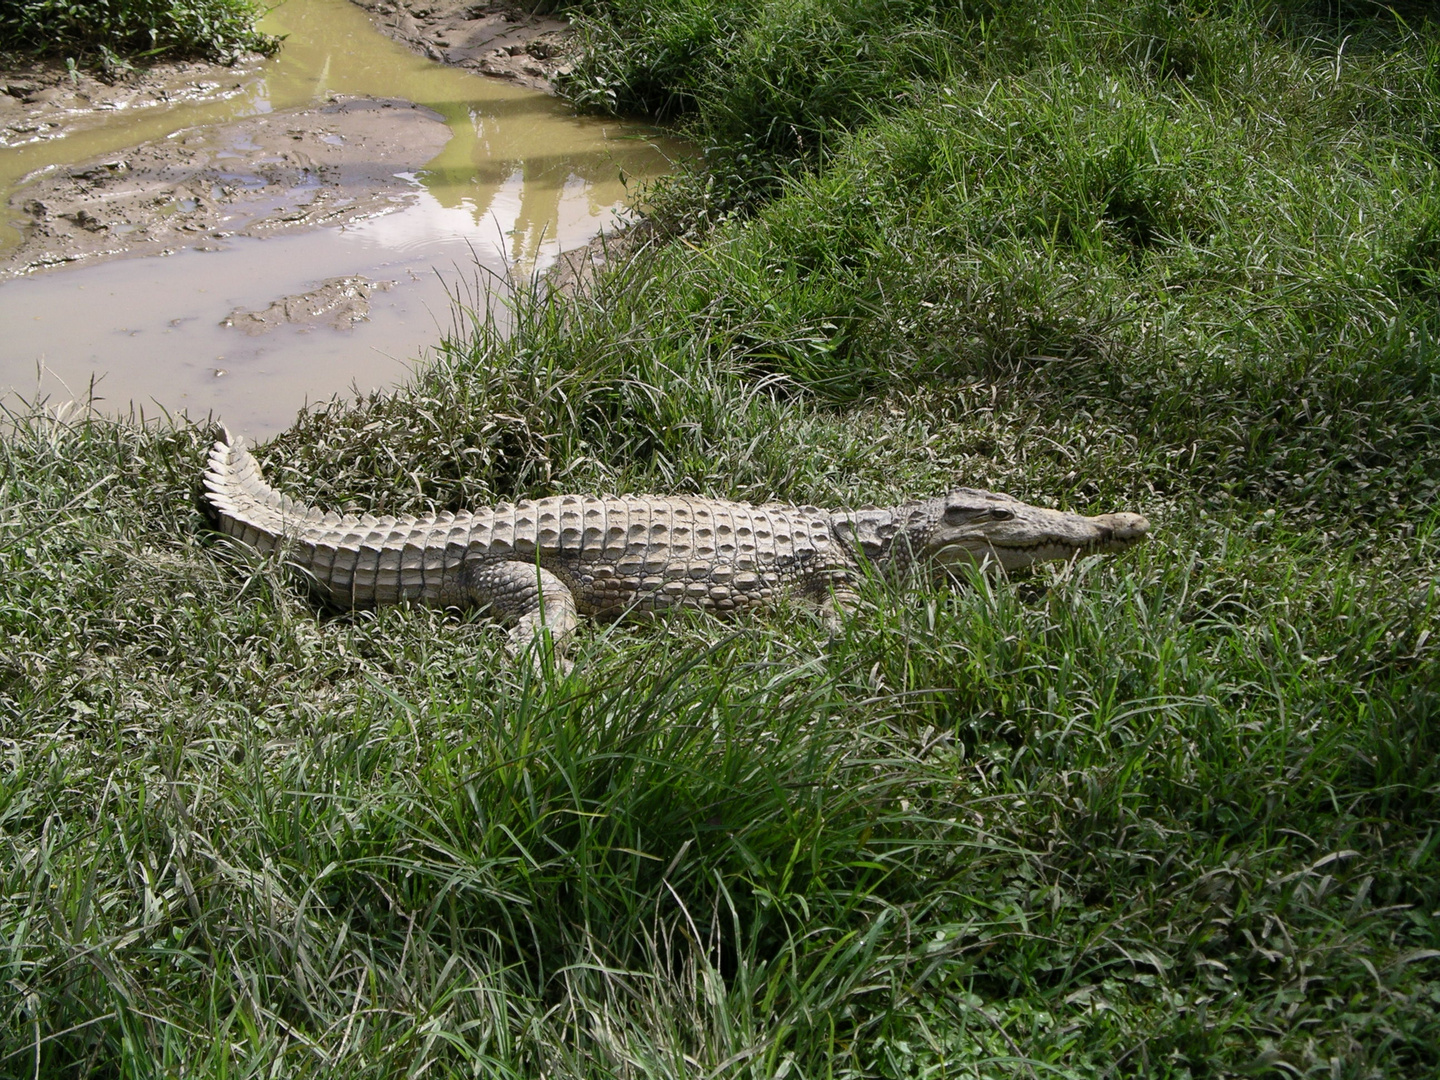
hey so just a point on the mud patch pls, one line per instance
(350, 159)
(497, 39)
(43, 100)
(338, 303)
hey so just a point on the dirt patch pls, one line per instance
(46, 101)
(296, 168)
(501, 40)
(338, 303)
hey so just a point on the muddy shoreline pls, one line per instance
(256, 177)
(503, 41)
(282, 171)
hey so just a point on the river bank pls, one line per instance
(343, 197)
(259, 176)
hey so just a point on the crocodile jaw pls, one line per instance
(988, 529)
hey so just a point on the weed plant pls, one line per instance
(1170, 815)
(114, 33)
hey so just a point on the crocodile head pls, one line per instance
(968, 526)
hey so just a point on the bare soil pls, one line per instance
(501, 40)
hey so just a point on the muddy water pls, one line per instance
(519, 179)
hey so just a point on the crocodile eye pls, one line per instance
(998, 514)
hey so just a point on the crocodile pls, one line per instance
(538, 565)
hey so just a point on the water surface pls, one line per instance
(520, 179)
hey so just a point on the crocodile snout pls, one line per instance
(1124, 528)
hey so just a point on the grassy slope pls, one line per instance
(1170, 815)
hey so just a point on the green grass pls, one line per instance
(1170, 815)
(113, 33)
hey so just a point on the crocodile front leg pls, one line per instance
(840, 602)
(529, 598)
(833, 592)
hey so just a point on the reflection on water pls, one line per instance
(504, 135)
(520, 179)
(177, 356)
(332, 48)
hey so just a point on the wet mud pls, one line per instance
(500, 40)
(338, 303)
(297, 168)
(43, 101)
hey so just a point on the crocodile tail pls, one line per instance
(246, 507)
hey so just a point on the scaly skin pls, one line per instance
(538, 565)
